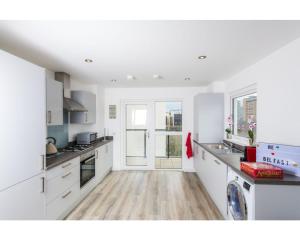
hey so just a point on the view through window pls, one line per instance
(244, 114)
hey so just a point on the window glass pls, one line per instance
(244, 114)
(168, 139)
(168, 116)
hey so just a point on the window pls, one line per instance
(244, 114)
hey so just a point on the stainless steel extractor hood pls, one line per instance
(69, 104)
(73, 106)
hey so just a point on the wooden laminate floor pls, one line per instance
(147, 195)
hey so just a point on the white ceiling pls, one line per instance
(144, 48)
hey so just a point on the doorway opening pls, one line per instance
(152, 135)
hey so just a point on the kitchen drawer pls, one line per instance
(60, 183)
(60, 207)
(63, 168)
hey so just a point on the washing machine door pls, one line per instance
(236, 201)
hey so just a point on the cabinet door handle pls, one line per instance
(49, 117)
(86, 117)
(43, 184)
(43, 162)
(67, 194)
(68, 174)
(97, 154)
(66, 165)
(217, 162)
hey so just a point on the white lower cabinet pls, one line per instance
(62, 189)
(108, 156)
(218, 184)
(213, 174)
(104, 160)
(59, 184)
(196, 157)
(64, 203)
(25, 200)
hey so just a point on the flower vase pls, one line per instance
(229, 136)
(251, 141)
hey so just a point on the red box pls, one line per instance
(261, 170)
(250, 154)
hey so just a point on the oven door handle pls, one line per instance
(89, 159)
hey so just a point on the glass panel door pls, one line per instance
(137, 135)
(168, 135)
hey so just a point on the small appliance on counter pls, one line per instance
(261, 170)
(86, 138)
(249, 154)
(50, 146)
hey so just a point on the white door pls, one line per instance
(23, 119)
(137, 135)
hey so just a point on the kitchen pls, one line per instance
(104, 136)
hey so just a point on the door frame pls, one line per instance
(151, 139)
(149, 144)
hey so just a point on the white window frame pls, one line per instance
(240, 93)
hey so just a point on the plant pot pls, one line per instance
(229, 135)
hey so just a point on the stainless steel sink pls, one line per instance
(216, 146)
(220, 148)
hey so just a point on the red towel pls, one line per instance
(188, 144)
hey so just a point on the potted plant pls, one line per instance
(228, 133)
(252, 126)
(228, 129)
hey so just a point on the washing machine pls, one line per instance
(240, 197)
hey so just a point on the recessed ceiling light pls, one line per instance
(130, 77)
(157, 76)
(187, 79)
(87, 60)
(113, 80)
(202, 57)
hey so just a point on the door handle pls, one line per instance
(43, 184)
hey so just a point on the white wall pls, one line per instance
(116, 95)
(278, 86)
(99, 125)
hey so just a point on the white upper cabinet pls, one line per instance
(88, 100)
(23, 119)
(54, 100)
(209, 117)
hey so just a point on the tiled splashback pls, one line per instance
(60, 132)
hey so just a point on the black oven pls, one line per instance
(87, 167)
